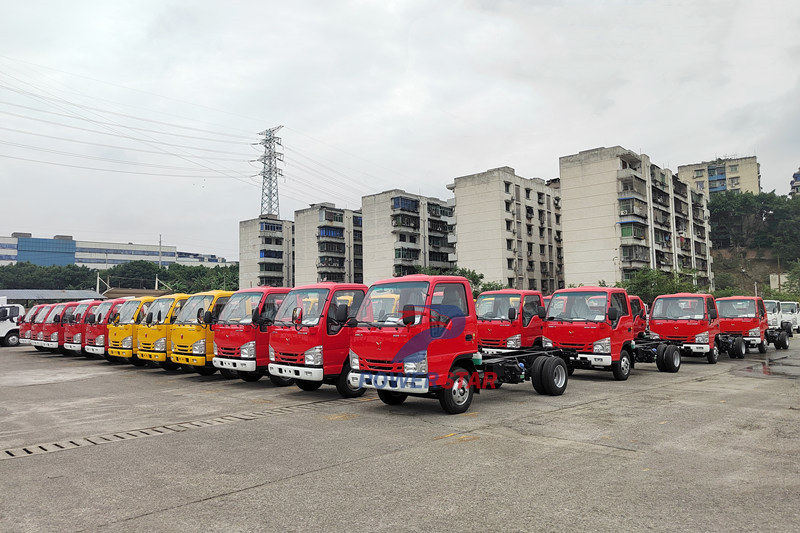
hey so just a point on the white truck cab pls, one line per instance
(790, 311)
(9, 323)
(775, 319)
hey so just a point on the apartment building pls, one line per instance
(266, 247)
(328, 245)
(621, 213)
(733, 174)
(509, 228)
(404, 231)
(794, 185)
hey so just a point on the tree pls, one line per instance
(648, 283)
(475, 278)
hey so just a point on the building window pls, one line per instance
(510, 263)
(527, 194)
(541, 248)
(700, 185)
(266, 226)
(402, 237)
(356, 220)
(405, 204)
(272, 254)
(331, 232)
(508, 225)
(530, 247)
(440, 257)
(507, 186)
(509, 244)
(508, 206)
(733, 168)
(412, 239)
(558, 219)
(698, 173)
(529, 229)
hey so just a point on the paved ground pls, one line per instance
(90, 446)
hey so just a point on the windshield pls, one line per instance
(127, 310)
(312, 301)
(578, 306)
(29, 314)
(736, 308)
(771, 305)
(495, 306)
(80, 311)
(56, 311)
(239, 309)
(188, 314)
(101, 311)
(383, 304)
(162, 305)
(678, 309)
(42, 315)
(788, 307)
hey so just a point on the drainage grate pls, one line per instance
(38, 449)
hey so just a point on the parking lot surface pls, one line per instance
(90, 446)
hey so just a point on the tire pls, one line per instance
(251, 377)
(135, 361)
(308, 386)
(736, 350)
(168, 365)
(554, 376)
(457, 395)
(343, 385)
(40, 349)
(204, 370)
(227, 373)
(622, 368)
(391, 397)
(281, 382)
(660, 349)
(11, 340)
(672, 359)
(713, 355)
(536, 375)
(189, 369)
(783, 338)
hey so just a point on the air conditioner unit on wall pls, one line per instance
(623, 212)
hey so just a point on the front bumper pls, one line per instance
(72, 346)
(224, 363)
(752, 341)
(591, 359)
(193, 360)
(96, 350)
(389, 382)
(159, 357)
(697, 348)
(25, 341)
(48, 344)
(120, 352)
(296, 372)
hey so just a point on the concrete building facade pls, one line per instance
(794, 185)
(266, 247)
(733, 174)
(328, 245)
(63, 250)
(622, 213)
(509, 229)
(404, 231)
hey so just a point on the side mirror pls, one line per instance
(541, 311)
(91, 319)
(340, 315)
(149, 319)
(116, 318)
(409, 314)
(76, 319)
(297, 315)
(712, 314)
(351, 322)
(57, 318)
(613, 314)
(206, 318)
(158, 318)
(255, 318)
(512, 314)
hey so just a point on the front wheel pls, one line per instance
(12, 339)
(622, 368)
(203, 370)
(784, 340)
(390, 397)
(135, 361)
(457, 394)
(227, 373)
(279, 381)
(713, 355)
(343, 384)
(250, 376)
(308, 386)
(168, 365)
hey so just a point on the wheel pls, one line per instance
(554, 376)
(391, 397)
(227, 373)
(622, 368)
(40, 349)
(168, 365)
(343, 384)
(783, 339)
(762, 347)
(457, 395)
(203, 370)
(135, 361)
(672, 359)
(281, 382)
(660, 349)
(308, 385)
(191, 368)
(713, 355)
(12, 339)
(250, 377)
(736, 350)
(536, 375)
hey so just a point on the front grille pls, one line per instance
(182, 349)
(290, 358)
(677, 338)
(146, 346)
(68, 338)
(492, 343)
(228, 352)
(380, 365)
(115, 344)
(578, 347)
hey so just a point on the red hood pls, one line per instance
(667, 329)
(738, 325)
(576, 335)
(233, 336)
(287, 339)
(498, 329)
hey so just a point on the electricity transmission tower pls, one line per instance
(271, 172)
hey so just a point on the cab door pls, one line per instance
(531, 323)
(337, 337)
(763, 321)
(713, 323)
(622, 328)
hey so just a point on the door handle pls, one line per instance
(468, 337)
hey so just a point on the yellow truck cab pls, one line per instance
(154, 333)
(193, 336)
(122, 330)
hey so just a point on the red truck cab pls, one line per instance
(595, 325)
(37, 327)
(97, 320)
(743, 324)
(639, 312)
(49, 336)
(75, 328)
(241, 333)
(509, 318)
(26, 324)
(689, 320)
(309, 341)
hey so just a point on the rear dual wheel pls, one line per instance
(669, 358)
(549, 375)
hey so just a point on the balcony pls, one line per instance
(635, 255)
(680, 188)
(660, 197)
(661, 218)
(631, 188)
(629, 173)
(660, 183)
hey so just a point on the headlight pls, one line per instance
(54, 336)
(416, 363)
(701, 338)
(100, 340)
(160, 345)
(515, 341)
(773, 321)
(27, 334)
(755, 332)
(271, 353)
(602, 346)
(546, 343)
(40, 336)
(248, 350)
(215, 349)
(314, 356)
(353, 360)
(172, 345)
(655, 336)
(127, 342)
(199, 348)
(77, 338)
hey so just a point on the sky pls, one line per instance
(124, 121)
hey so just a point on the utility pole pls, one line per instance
(159, 255)
(271, 172)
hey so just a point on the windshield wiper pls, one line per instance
(371, 324)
